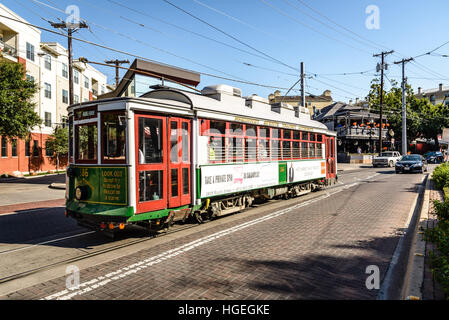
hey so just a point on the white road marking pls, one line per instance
(46, 242)
(134, 268)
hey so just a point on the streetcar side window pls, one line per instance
(86, 137)
(150, 141)
(114, 137)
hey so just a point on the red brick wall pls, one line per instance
(22, 163)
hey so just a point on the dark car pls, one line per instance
(411, 163)
(434, 157)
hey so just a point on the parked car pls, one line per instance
(387, 158)
(434, 157)
(411, 163)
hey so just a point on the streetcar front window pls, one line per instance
(86, 139)
(114, 137)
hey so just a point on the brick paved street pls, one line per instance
(312, 250)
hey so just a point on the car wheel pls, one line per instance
(391, 164)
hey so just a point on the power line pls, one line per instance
(307, 26)
(143, 58)
(228, 35)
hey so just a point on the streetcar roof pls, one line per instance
(217, 106)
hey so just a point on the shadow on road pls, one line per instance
(59, 178)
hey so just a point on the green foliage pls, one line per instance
(59, 141)
(17, 115)
(440, 176)
(423, 118)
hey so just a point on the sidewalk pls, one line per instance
(24, 194)
(420, 284)
(352, 166)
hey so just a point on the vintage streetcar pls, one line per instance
(171, 155)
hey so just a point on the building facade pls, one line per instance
(436, 96)
(46, 63)
(313, 103)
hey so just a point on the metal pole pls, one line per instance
(381, 103)
(69, 33)
(404, 106)
(404, 113)
(303, 97)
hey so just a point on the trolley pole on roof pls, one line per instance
(71, 28)
(303, 97)
(382, 67)
(404, 107)
(117, 64)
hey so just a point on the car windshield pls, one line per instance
(411, 158)
(386, 154)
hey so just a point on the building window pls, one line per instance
(27, 148)
(14, 147)
(86, 82)
(65, 71)
(48, 149)
(65, 96)
(47, 90)
(30, 78)
(76, 76)
(76, 99)
(4, 147)
(35, 148)
(30, 52)
(48, 119)
(102, 89)
(48, 62)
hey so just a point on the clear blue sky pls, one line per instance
(410, 27)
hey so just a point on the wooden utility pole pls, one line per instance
(382, 67)
(117, 64)
(404, 106)
(70, 31)
(303, 91)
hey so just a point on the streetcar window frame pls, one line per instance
(272, 143)
(103, 136)
(77, 143)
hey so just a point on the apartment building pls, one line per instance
(46, 63)
(436, 95)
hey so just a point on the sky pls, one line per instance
(264, 41)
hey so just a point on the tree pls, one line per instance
(58, 143)
(434, 119)
(392, 109)
(17, 115)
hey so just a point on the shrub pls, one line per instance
(441, 176)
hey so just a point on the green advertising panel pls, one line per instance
(107, 185)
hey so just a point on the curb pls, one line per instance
(415, 270)
(59, 186)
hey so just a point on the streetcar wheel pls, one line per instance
(198, 217)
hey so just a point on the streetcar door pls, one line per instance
(151, 163)
(330, 157)
(179, 162)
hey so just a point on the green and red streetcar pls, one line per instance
(171, 155)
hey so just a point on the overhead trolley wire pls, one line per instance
(229, 35)
(140, 57)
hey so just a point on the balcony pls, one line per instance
(7, 49)
(360, 133)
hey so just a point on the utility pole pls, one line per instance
(404, 107)
(117, 64)
(382, 67)
(303, 91)
(70, 30)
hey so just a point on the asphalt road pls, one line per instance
(314, 247)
